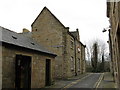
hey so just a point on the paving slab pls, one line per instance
(107, 81)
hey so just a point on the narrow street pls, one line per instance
(89, 81)
(60, 44)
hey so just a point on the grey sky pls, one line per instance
(89, 16)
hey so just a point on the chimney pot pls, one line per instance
(77, 29)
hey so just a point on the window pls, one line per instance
(72, 63)
(71, 44)
(78, 50)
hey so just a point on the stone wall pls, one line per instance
(0, 65)
(70, 56)
(78, 58)
(83, 59)
(0, 60)
(37, 70)
(47, 31)
(53, 35)
(114, 16)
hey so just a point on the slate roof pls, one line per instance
(14, 38)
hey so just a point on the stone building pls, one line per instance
(113, 13)
(51, 33)
(24, 62)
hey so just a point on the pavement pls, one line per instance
(107, 81)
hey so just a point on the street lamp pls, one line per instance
(106, 29)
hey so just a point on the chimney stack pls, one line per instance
(77, 29)
(25, 30)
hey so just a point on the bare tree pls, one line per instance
(97, 52)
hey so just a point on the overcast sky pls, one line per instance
(89, 16)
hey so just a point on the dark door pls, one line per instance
(118, 58)
(48, 79)
(23, 72)
(118, 37)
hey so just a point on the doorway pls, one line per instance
(48, 73)
(118, 53)
(22, 72)
(118, 37)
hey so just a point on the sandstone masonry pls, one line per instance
(52, 34)
(113, 12)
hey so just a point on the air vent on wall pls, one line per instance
(14, 37)
(32, 43)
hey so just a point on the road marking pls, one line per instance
(99, 81)
(71, 84)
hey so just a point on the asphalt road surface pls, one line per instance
(87, 82)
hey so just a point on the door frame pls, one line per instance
(18, 60)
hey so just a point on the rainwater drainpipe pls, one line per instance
(75, 57)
